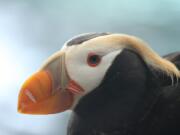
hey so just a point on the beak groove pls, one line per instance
(30, 95)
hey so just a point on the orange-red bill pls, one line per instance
(37, 97)
(74, 88)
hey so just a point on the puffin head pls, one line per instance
(79, 68)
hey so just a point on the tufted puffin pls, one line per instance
(115, 84)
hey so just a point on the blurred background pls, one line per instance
(31, 30)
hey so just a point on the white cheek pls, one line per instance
(88, 77)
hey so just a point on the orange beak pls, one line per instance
(37, 95)
(50, 90)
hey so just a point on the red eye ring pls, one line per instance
(93, 59)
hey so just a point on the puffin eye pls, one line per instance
(93, 59)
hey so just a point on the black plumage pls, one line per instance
(85, 37)
(133, 99)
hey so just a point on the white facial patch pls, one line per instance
(78, 69)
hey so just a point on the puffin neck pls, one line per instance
(115, 99)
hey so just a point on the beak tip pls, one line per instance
(19, 111)
(20, 107)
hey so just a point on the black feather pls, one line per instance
(85, 37)
(131, 100)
